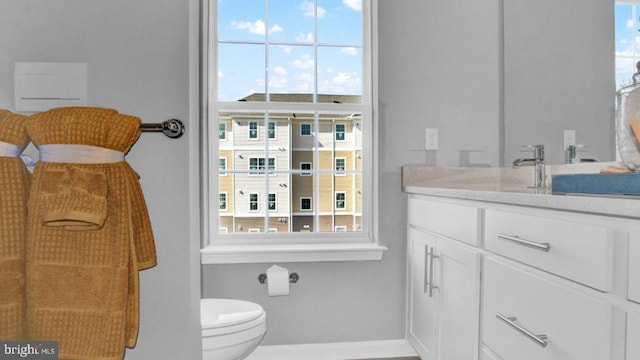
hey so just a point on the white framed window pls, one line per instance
(311, 83)
(253, 230)
(253, 130)
(222, 131)
(340, 166)
(222, 201)
(222, 166)
(341, 200)
(254, 202)
(306, 203)
(273, 202)
(272, 130)
(340, 130)
(305, 169)
(257, 166)
(305, 129)
(223, 230)
(340, 228)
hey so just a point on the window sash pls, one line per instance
(365, 108)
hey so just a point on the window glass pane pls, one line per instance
(626, 42)
(291, 73)
(240, 71)
(291, 21)
(223, 201)
(340, 73)
(222, 131)
(340, 22)
(246, 25)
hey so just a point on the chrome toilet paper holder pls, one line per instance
(293, 278)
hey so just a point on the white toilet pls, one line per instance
(231, 329)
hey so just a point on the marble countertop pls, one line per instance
(511, 186)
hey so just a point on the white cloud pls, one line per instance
(286, 49)
(630, 24)
(304, 62)
(342, 83)
(257, 28)
(308, 37)
(280, 70)
(353, 4)
(307, 10)
(276, 82)
(220, 74)
(348, 51)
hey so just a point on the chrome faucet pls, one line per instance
(538, 162)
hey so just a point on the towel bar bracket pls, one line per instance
(172, 128)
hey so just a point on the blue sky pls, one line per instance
(242, 56)
(625, 42)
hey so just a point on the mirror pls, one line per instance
(559, 74)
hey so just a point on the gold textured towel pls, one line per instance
(14, 187)
(88, 236)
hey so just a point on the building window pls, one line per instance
(295, 97)
(223, 230)
(340, 228)
(253, 130)
(305, 169)
(305, 204)
(253, 202)
(340, 166)
(222, 166)
(257, 165)
(272, 130)
(223, 201)
(273, 202)
(341, 200)
(253, 230)
(222, 131)
(340, 130)
(305, 129)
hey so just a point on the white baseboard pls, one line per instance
(335, 351)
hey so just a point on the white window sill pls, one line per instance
(253, 254)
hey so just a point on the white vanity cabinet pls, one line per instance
(444, 281)
(522, 280)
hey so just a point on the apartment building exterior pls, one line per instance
(290, 173)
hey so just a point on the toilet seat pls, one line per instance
(226, 316)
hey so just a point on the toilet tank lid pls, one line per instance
(217, 313)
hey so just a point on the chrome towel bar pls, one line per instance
(172, 128)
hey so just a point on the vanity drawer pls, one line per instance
(577, 249)
(577, 326)
(634, 267)
(456, 221)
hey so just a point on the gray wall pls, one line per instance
(138, 63)
(336, 302)
(559, 75)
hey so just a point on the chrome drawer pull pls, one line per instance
(529, 243)
(431, 255)
(511, 321)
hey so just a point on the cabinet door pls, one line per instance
(633, 335)
(423, 315)
(459, 297)
(634, 267)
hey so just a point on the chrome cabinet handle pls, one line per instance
(431, 255)
(511, 321)
(427, 253)
(525, 242)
